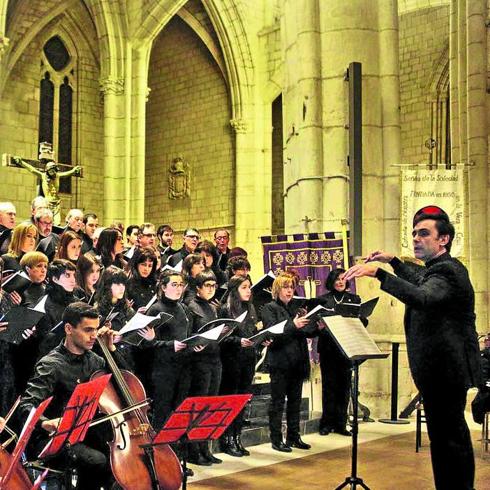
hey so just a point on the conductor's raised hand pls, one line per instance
(300, 321)
(379, 256)
(360, 270)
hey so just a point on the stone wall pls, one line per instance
(424, 37)
(188, 116)
(19, 106)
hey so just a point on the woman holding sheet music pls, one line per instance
(335, 368)
(288, 362)
(238, 356)
(142, 281)
(206, 365)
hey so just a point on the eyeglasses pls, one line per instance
(210, 286)
(150, 235)
(219, 238)
(176, 284)
(192, 237)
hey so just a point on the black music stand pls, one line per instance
(357, 346)
(198, 419)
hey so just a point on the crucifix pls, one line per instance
(307, 222)
(48, 171)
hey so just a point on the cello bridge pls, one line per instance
(142, 429)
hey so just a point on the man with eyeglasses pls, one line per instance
(222, 240)
(191, 239)
(48, 240)
(146, 235)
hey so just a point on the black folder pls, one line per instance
(19, 318)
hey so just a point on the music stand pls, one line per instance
(357, 346)
(199, 419)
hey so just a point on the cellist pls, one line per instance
(57, 374)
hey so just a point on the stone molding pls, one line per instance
(240, 126)
(4, 42)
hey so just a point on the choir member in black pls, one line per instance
(192, 266)
(237, 356)
(205, 365)
(7, 223)
(141, 286)
(335, 367)
(48, 240)
(57, 374)
(90, 224)
(7, 372)
(88, 274)
(191, 239)
(111, 297)
(109, 248)
(70, 246)
(23, 240)
(132, 240)
(35, 264)
(60, 288)
(222, 240)
(74, 221)
(170, 370)
(238, 266)
(210, 255)
(289, 363)
(165, 235)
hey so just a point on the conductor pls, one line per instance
(441, 337)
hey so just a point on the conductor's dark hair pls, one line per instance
(75, 312)
(443, 226)
(332, 277)
(58, 267)
(203, 277)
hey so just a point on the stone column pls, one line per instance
(114, 149)
(302, 117)
(4, 42)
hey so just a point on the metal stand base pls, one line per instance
(353, 483)
(394, 421)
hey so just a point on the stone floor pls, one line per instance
(387, 460)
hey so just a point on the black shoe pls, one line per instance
(325, 431)
(212, 459)
(200, 461)
(280, 446)
(188, 472)
(298, 443)
(238, 443)
(343, 432)
(246, 423)
(228, 446)
(368, 419)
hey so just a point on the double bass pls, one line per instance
(132, 467)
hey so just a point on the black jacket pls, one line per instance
(289, 350)
(57, 374)
(49, 246)
(48, 336)
(177, 328)
(5, 236)
(231, 348)
(174, 259)
(140, 291)
(439, 321)
(202, 312)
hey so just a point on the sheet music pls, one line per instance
(352, 338)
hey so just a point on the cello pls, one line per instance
(131, 465)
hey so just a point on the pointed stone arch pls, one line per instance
(438, 98)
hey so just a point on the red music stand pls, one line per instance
(199, 419)
(78, 415)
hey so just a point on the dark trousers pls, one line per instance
(170, 386)
(285, 384)
(451, 449)
(336, 386)
(93, 467)
(237, 378)
(205, 381)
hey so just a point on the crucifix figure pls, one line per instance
(307, 222)
(48, 172)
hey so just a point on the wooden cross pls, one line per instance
(307, 221)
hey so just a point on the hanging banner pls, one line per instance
(311, 255)
(439, 187)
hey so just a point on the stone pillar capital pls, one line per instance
(111, 85)
(240, 126)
